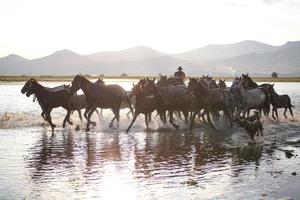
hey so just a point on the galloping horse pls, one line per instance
(144, 104)
(102, 96)
(280, 101)
(212, 100)
(49, 99)
(28, 84)
(249, 99)
(169, 98)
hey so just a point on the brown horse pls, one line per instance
(169, 98)
(50, 99)
(212, 100)
(144, 104)
(102, 96)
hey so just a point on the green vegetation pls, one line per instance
(274, 75)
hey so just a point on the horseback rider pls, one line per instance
(179, 74)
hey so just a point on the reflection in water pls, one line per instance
(135, 162)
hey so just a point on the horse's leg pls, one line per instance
(276, 114)
(202, 116)
(89, 117)
(228, 116)
(79, 114)
(118, 115)
(291, 111)
(209, 121)
(87, 110)
(67, 118)
(48, 118)
(273, 116)
(285, 109)
(186, 116)
(133, 120)
(146, 121)
(171, 120)
(43, 115)
(192, 119)
(248, 112)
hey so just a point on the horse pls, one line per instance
(212, 100)
(248, 99)
(249, 83)
(144, 104)
(165, 81)
(124, 103)
(280, 101)
(78, 102)
(50, 99)
(102, 96)
(28, 84)
(169, 98)
(222, 84)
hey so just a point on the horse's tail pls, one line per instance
(129, 103)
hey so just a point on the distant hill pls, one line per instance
(284, 60)
(224, 51)
(130, 54)
(246, 56)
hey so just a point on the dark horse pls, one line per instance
(165, 81)
(212, 100)
(169, 98)
(49, 99)
(102, 96)
(28, 84)
(280, 101)
(144, 104)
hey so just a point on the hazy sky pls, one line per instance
(34, 28)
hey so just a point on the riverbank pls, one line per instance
(70, 78)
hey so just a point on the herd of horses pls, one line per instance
(170, 97)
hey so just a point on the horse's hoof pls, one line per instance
(110, 125)
(54, 126)
(71, 123)
(87, 129)
(93, 123)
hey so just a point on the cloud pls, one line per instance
(271, 1)
(237, 4)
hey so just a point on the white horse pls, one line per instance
(248, 99)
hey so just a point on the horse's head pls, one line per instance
(100, 81)
(26, 86)
(150, 86)
(193, 86)
(236, 85)
(76, 84)
(222, 84)
(138, 88)
(211, 83)
(32, 88)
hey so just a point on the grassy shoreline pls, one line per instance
(69, 78)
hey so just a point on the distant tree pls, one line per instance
(274, 75)
(123, 75)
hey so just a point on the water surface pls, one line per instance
(161, 163)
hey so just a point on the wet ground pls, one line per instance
(160, 163)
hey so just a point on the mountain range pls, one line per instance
(257, 58)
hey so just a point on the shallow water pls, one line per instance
(157, 164)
